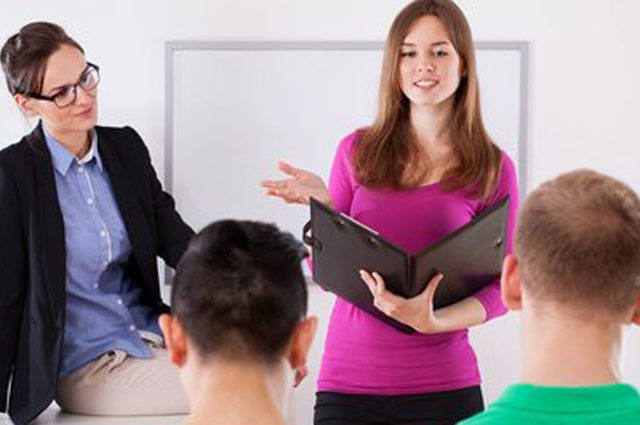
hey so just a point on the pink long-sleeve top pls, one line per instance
(364, 355)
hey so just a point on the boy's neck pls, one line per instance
(238, 394)
(569, 350)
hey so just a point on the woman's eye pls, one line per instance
(64, 92)
(407, 54)
(441, 53)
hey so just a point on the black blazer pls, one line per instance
(33, 260)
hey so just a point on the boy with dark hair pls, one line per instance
(575, 275)
(238, 327)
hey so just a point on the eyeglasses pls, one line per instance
(67, 95)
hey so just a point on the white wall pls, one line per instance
(584, 81)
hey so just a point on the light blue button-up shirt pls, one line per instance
(104, 308)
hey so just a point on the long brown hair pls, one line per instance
(387, 149)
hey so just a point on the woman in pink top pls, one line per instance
(425, 167)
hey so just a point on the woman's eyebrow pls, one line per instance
(437, 43)
(55, 89)
(69, 84)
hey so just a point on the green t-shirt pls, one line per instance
(617, 404)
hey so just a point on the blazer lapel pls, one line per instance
(130, 208)
(51, 226)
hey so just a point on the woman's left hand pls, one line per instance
(416, 312)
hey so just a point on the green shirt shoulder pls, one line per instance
(533, 405)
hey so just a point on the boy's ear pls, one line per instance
(636, 312)
(510, 283)
(175, 338)
(301, 342)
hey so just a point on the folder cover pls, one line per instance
(469, 258)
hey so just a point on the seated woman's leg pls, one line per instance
(119, 385)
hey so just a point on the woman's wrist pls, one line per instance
(326, 199)
(431, 325)
(461, 315)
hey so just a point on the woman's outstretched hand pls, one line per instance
(299, 187)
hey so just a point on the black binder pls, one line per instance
(469, 258)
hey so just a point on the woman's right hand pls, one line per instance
(299, 188)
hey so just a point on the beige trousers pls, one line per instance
(117, 384)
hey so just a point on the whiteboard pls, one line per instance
(234, 109)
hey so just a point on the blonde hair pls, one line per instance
(578, 242)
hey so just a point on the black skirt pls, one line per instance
(443, 408)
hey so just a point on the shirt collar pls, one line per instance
(569, 399)
(63, 159)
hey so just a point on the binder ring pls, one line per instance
(309, 239)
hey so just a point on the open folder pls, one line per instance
(469, 258)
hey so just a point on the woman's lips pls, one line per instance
(426, 83)
(87, 112)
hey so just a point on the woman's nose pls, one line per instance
(425, 65)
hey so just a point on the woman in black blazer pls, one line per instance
(83, 218)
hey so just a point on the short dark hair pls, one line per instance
(578, 242)
(25, 54)
(239, 290)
